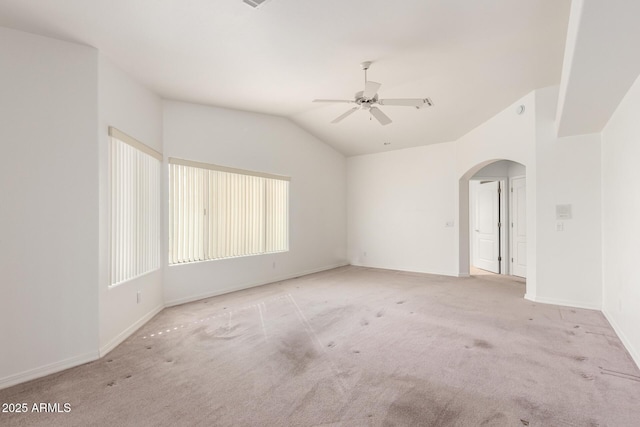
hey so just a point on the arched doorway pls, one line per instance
(497, 219)
(492, 218)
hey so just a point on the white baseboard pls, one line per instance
(45, 370)
(566, 303)
(635, 353)
(71, 362)
(250, 285)
(387, 268)
(129, 331)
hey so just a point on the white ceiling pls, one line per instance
(472, 58)
(601, 64)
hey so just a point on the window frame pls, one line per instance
(135, 229)
(253, 193)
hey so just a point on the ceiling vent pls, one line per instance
(255, 3)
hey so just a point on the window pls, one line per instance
(135, 207)
(218, 212)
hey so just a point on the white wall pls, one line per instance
(133, 109)
(269, 144)
(516, 169)
(569, 261)
(493, 170)
(399, 203)
(49, 208)
(400, 200)
(501, 169)
(620, 214)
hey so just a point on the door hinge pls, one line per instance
(512, 189)
(499, 258)
(511, 259)
(499, 190)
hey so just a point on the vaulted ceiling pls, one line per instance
(472, 58)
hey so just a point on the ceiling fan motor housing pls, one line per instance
(362, 101)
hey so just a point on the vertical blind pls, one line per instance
(217, 212)
(135, 207)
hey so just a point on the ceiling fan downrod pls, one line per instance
(365, 66)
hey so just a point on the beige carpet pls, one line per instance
(354, 347)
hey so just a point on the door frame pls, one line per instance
(504, 219)
(511, 209)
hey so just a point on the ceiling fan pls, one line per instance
(368, 98)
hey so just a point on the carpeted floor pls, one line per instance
(354, 347)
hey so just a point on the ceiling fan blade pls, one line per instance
(407, 102)
(333, 100)
(342, 116)
(370, 89)
(380, 116)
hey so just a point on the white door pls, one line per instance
(519, 227)
(486, 231)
